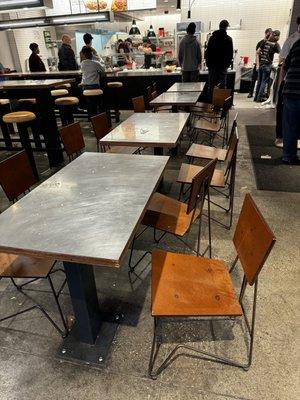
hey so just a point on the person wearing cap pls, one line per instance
(189, 55)
(35, 62)
(218, 56)
(66, 55)
(268, 33)
(88, 38)
(265, 57)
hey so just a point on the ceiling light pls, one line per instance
(134, 30)
(78, 18)
(21, 23)
(18, 3)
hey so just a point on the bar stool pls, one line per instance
(23, 119)
(93, 99)
(59, 92)
(113, 89)
(65, 106)
(30, 105)
(7, 130)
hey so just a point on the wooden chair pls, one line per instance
(72, 138)
(174, 217)
(218, 126)
(219, 97)
(208, 152)
(32, 269)
(220, 180)
(189, 286)
(139, 104)
(16, 176)
(101, 128)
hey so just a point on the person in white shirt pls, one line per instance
(286, 48)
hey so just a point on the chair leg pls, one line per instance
(57, 304)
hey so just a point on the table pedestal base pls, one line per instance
(89, 354)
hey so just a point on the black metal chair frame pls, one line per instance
(202, 195)
(198, 354)
(38, 306)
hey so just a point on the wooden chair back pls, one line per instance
(139, 104)
(154, 95)
(16, 176)
(233, 132)
(219, 96)
(100, 125)
(226, 107)
(72, 138)
(154, 87)
(232, 152)
(200, 186)
(253, 240)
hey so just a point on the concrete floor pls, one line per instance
(30, 369)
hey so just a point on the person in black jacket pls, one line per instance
(66, 55)
(218, 56)
(35, 62)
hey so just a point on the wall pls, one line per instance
(256, 16)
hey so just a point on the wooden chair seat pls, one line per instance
(188, 171)
(3, 102)
(185, 285)
(122, 150)
(32, 101)
(13, 266)
(205, 125)
(169, 215)
(114, 84)
(93, 92)
(59, 92)
(19, 117)
(66, 101)
(206, 152)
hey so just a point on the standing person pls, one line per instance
(35, 62)
(286, 48)
(291, 106)
(265, 57)
(66, 55)
(268, 33)
(92, 71)
(219, 55)
(189, 55)
(88, 39)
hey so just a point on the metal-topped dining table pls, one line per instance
(86, 214)
(157, 130)
(41, 91)
(187, 87)
(176, 99)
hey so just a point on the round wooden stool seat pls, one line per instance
(59, 92)
(66, 101)
(63, 86)
(32, 101)
(114, 84)
(3, 102)
(92, 92)
(18, 117)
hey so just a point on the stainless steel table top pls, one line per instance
(88, 212)
(176, 99)
(187, 87)
(149, 129)
(33, 84)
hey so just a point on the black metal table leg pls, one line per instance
(25, 140)
(158, 151)
(6, 128)
(92, 335)
(48, 127)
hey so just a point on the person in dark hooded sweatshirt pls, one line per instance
(218, 56)
(190, 55)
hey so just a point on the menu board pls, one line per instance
(119, 5)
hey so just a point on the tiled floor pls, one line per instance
(29, 368)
